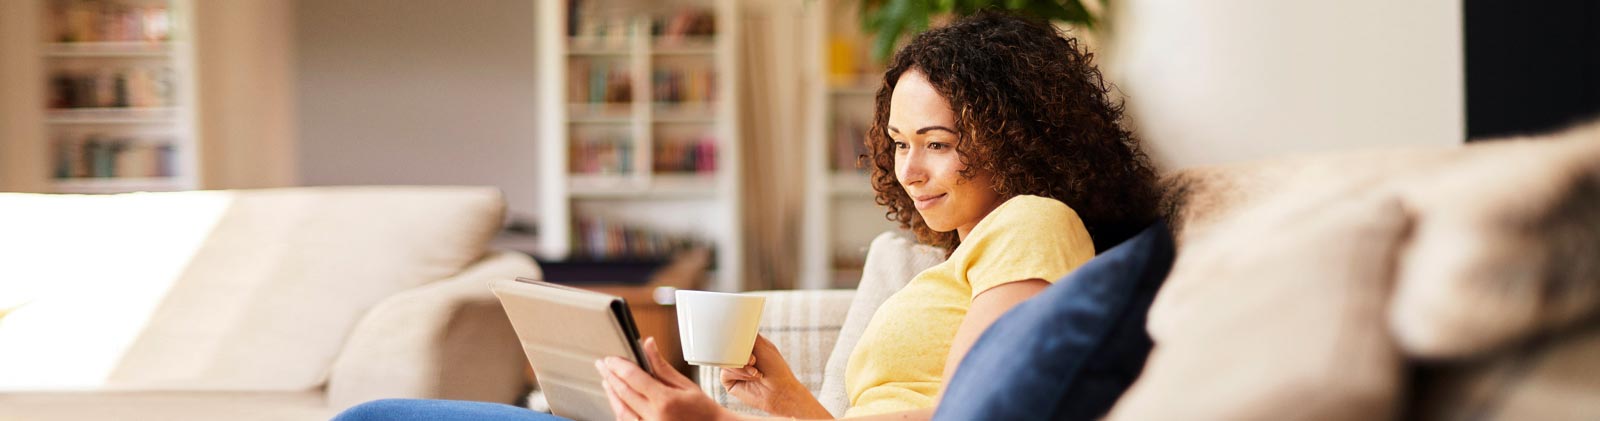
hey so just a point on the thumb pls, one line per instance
(664, 370)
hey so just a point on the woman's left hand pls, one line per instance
(636, 395)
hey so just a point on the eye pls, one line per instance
(938, 146)
(899, 145)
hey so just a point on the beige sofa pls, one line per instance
(266, 304)
(1421, 283)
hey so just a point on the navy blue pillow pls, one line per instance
(1069, 352)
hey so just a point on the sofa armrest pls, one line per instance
(804, 324)
(448, 339)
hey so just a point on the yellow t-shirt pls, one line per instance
(899, 363)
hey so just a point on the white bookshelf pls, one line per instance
(96, 107)
(839, 200)
(620, 183)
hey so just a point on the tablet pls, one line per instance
(563, 331)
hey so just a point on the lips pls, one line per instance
(927, 201)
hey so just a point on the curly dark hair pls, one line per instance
(1030, 108)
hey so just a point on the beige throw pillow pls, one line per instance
(1507, 245)
(1278, 315)
(1196, 200)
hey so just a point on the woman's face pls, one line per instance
(922, 126)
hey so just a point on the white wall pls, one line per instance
(1229, 80)
(418, 92)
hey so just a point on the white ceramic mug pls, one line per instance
(718, 328)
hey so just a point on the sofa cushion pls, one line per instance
(1504, 248)
(893, 258)
(216, 290)
(1553, 378)
(1278, 315)
(1069, 352)
(1196, 200)
(170, 406)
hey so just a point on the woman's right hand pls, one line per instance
(768, 384)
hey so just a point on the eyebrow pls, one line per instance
(925, 129)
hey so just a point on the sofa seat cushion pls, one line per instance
(216, 290)
(174, 406)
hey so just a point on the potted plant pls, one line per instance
(890, 19)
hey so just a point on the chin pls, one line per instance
(937, 226)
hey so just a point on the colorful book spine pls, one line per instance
(600, 238)
(99, 156)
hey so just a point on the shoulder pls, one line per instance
(1029, 214)
(1029, 222)
(1026, 237)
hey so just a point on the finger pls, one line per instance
(731, 379)
(632, 377)
(750, 369)
(764, 350)
(618, 409)
(748, 372)
(664, 369)
(737, 374)
(631, 399)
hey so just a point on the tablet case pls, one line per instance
(563, 331)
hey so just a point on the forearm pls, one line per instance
(802, 405)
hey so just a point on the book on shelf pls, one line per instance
(599, 238)
(673, 28)
(101, 156)
(139, 86)
(608, 153)
(681, 83)
(599, 81)
(608, 24)
(696, 155)
(849, 146)
(80, 21)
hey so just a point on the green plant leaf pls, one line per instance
(891, 19)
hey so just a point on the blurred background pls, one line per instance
(625, 133)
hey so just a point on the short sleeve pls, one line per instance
(1028, 237)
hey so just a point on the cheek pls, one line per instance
(947, 169)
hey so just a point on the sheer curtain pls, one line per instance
(772, 117)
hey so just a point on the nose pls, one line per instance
(910, 167)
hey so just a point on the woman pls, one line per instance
(994, 138)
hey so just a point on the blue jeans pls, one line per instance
(441, 410)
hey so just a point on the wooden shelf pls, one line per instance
(161, 115)
(658, 186)
(132, 49)
(600, 120)
(118, 185)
